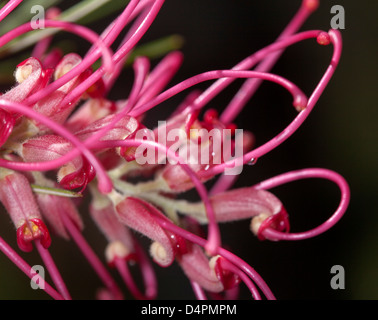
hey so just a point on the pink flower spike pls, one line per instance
(135, 214)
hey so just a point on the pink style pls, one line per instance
(59, 121)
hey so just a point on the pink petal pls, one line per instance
(18, 199)
(136, 214)
(196, 266)
(29, 75)
(121, 130)
(244, 203)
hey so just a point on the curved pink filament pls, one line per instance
(160, 76)
(25, 268)
(148, 275)
(226, 265)
(250, 86)
(250, 62)
(109, 35)
(53, 270)
(92, 258)
(305, 174)
(41, 47)
(298, 96)
(141, 68)
(198, 291)
(214, 235)
(109, 80)
(336, 40)
(79, 30)
(223, 252)
(115, 28)
(8, 8)
(122, 52)
(105, 184)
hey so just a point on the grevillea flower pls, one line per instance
(59, 120)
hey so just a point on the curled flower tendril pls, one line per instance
(60, 120)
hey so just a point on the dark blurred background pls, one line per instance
(339, 135)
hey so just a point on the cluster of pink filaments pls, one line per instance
(58, 118)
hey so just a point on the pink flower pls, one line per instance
(59, 119)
